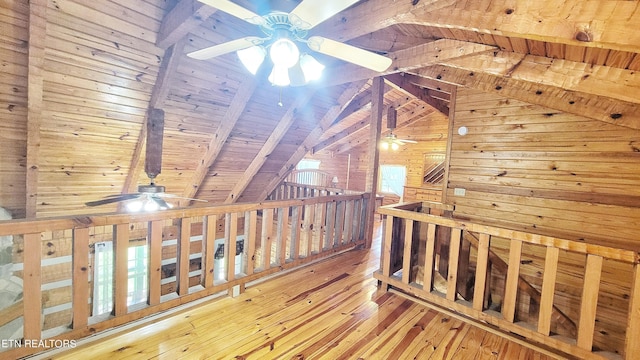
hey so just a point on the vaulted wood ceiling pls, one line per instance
(79, 78)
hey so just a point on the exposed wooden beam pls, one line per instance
(349, 132)
(159, 94)
(572, 22)
(403, 84)
(184, 17)
(589, 105)
(343, 102)
(219, 138)
(274, 139)
(37, 39)
(431, 53)
(406, 120)
(371, 180)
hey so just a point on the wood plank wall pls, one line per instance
(13, 111)
(536, 169)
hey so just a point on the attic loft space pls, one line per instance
(511, 198)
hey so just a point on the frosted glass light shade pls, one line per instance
(252, 58)
(394, 146)
(311, 68)
(279, 76)
(284, 53)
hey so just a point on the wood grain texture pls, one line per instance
(329, 310)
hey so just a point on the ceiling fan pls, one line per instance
(282, 31)
(149, 197)
(391, 140)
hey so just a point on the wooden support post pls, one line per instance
(267, 237)
(31, 287)
(80, 276)
(406, 256)
(589, 301)
(429, 259)
(155, 261)
(121, 268)
(371, 183)
(182, 266)
(511, 285)
(250, 234)
(208, 250)
(454, 253)
(481, 272)
(548, 289)
(631, 343)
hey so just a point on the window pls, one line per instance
(308, 164)
(392, 179)
(103, 277)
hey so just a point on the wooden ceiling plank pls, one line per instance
(35, 87)
(274, 139)
(159, 94)
(403, 84)
(344, 100)
(558, 21)
(412, 58)
(219, 138)
(184, 17)
(592, 106)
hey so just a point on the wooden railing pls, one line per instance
(310, 177)
(55, 257)
(412, 261)
(292, 190)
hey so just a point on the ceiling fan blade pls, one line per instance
(112, 199)
(172, 196)
(310, 13)
(408, 141)
(235, 10)
(349, 53)
(160, 202)
(225, 48)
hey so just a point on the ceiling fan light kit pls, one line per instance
(283, 30)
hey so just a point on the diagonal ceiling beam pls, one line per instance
(403, 120)
(572, 22)
(536, 81)
(343, 102)
(219, 138)
(402, 83)
(405, 60)
(159, 94)
(184, 17)
(274, 139)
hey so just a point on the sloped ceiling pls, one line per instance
(80, 77)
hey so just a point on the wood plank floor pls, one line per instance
(329, 310)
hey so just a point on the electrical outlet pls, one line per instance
(459, 192)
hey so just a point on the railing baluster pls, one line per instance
(80, 275)
(267, 237)
(331, 221)
(121, 270)
(296, 224)
(548, 289)
(322, 227)
(631, 343)
(481, 272)
(183, 248)
(208, 249)
(32, 287)
(511, 284)
(250, 233)
(155, 261)
(309, 215)
(339, 225)
(427, 281)
(589, 302)
(348, 222)
(230, 237)
(454, 254)
(386, 246)
(281, 244)
(406, 256)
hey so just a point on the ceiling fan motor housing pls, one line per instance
(151, 189)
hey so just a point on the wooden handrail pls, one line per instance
(407, 217)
